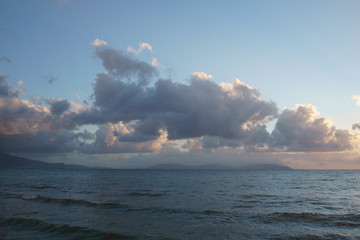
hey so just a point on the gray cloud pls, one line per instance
(298, 130)
(20, 116)
(136, 113)
(59, 107)
(50, 79)
(202, 108)
(124, 66)
(106, 141)
(5, 89)
(4, 59)
(51, 141)
(356, 126)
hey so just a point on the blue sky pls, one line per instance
(293, 52)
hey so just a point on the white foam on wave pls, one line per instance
(26, 197)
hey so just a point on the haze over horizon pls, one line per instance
(131, 84)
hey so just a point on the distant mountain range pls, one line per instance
(261, 166)
(10, 161)
(181, 166)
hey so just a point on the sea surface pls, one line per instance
(179, 204)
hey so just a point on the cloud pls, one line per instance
(201, 108)
(357, 99)
(155, 62)
(356, 126)
(50, 79)
(123, 66)
(49, 141)
(5, 59)
(298, 130)
(59, 107)
(142, 46)
(107, 141)
(21, 116)
(20, 83)
(135, 111)
(201, 75)
(98, 43)
(5, 89)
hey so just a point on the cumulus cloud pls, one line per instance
(298, 130)
(201, 108)
(98, 43)
(27, 126)
(135, 111)
(49, 141)
(142, 47)
(107, 141)
(122, 66)
(22, 116)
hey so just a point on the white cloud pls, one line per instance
(142, 46)
(357, 99)
(98, 42)
(155, 62)
(201, 75)
(20, 82)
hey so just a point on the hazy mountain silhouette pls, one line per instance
(261, 166)
(181, 166)
(10, 161)
(265, 166)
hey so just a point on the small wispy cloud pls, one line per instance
(142, 46)
(50, 79)
(20, 83)
(4, 59)
(98, 43)
(201, 75)
(155, 62)
(357, 99)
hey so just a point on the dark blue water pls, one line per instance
(179, 204)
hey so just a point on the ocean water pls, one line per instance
(179, 204)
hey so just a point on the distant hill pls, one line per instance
(10, 161)
(262, 166)
(181, 166)
(265, 166)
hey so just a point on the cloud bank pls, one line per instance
(136, 111)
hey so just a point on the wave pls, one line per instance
(68, 201)
(259, 196)
(146, 194)
(312, 237)
(43, 187)
(59, 231)
(344, 220)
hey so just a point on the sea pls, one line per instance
(178, 204)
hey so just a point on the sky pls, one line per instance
(131, 84)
